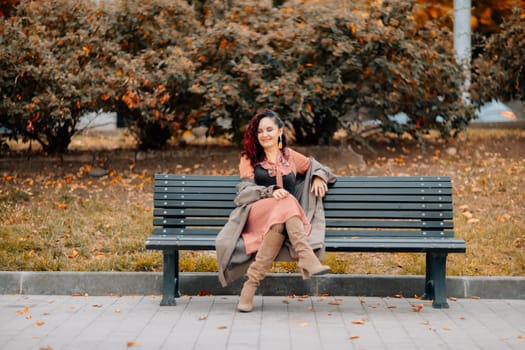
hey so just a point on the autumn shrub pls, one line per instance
(326, 68)
(499, 71)
(52, 70)
(152, 92)
(167, 66)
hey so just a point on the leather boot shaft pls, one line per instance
(309, 264)
(268, 251)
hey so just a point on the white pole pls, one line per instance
(462, 38)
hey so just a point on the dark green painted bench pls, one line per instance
(363, 214)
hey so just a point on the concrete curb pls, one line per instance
(145, 283)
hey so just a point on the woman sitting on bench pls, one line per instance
(279, 198)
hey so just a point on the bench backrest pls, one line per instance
(194, 208)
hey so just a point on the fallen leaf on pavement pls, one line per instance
(417, 308)
(360, 321)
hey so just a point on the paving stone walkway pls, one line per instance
(302, 323)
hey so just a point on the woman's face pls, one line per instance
(268, 133)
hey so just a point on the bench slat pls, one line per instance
(161, 177)
(333, 245)
(166, 203)
(389, 224)
(220, 222)
(181, 231)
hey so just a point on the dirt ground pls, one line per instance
(115, 152)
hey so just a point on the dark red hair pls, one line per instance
(252, 149)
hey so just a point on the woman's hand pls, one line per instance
(319, 187)
(280, 193)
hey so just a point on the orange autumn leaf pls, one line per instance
(417, 308)
(61, 205)
(39, 323)
(352, 337)
(74, 254)
(23, 311)
(360, 321)
(132, 344)
(309, 107)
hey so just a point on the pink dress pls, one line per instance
(267, 212)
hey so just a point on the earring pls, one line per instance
(280, 143)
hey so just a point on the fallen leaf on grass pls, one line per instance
(74, 254)
(61, 205)
(503, 217)
(467, 215)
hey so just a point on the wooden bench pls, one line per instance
(363, 214)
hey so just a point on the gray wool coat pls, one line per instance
(231, 255)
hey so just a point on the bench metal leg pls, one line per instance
(170, 278)
(435, 279)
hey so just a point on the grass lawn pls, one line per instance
(92, 209)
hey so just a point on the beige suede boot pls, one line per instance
(269, 249)
(309, 264)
